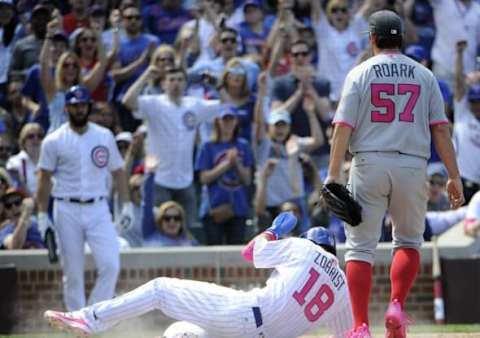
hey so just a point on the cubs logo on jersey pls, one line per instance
(189, 120)
(100, 156)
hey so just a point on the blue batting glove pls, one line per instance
(283, 224)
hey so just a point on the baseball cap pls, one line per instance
(98, 10)
(437, 168)
(385, 23)
(77, 94)
(254, 3)
(227, 111)
(124, 136)
(416, 52)
(278, 116)
(474, 92)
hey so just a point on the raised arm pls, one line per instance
(120, 74)
(131, 96)
(94, 77)
(258, 110)
(262, 180)
(460, 85)
(46, 78)
(317, 139)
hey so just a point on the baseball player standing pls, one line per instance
(389, 109)
(307, 289)
(80, 156)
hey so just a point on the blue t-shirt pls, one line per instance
(252, 42)
(163, 23)
(227, 188)
(245, 117)
(32, 241)
(131, 50)
(32, 88)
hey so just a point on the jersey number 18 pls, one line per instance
(320, 303)
(390, 89)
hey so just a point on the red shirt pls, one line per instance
(70, 23)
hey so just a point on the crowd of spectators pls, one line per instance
(221, 109)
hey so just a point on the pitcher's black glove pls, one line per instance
(340, 202)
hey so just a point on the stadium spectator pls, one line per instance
(78, 16)
(103, 114)
(67, 74)
(255, 29)
(164, 19)
(27, 49)
(437, 184)
(163, 57)
(6, 149)
(23, 166)
(20, 231)
(133, 234)
(133, 56)
(280, 173)
(289, 92)
(8, 38)
(225, 166)
(172, 120)
(466, 130)
(20, 110)
(167, 225)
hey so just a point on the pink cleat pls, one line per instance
(396, 321)
(360, 332)
(70, 322)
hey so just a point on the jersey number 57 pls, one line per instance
(320, 302)
(383, 96)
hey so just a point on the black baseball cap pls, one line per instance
(385, 23)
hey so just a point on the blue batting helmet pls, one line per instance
(77, 94)
(321, 236)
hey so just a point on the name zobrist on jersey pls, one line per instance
(394, 70)
(330, 266)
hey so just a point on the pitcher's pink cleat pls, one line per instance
(360, 332)
(396, 321)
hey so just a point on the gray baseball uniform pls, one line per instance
(390, 102)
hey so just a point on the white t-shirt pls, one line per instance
(80, 163)
(466, 138)
(171, 134)
(27, 170)
(307, 289)
(473, 210)
(390, 102)
(338, 52)
(455, 22)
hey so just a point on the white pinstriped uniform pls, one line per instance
(304, 275)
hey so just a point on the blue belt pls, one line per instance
(258, 316)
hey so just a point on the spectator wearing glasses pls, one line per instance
(123, 139)
(20, 231)
(23, 165)
(67, 74)
(103, 114)
(172, 120)
(165, 226)
(290, 92)
(133, 56)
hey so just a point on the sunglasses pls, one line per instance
(168, 218)
(231, 40)
(9, 204)
(86, 39)
(70, 65)
(132, 17)
(34, 136)
(339, 10)
(297, 54)
(437, 183)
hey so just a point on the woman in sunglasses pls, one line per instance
(19, 231)
(67, 74)
(23, 165)
(165, 226)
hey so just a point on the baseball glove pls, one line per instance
(340, 202)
